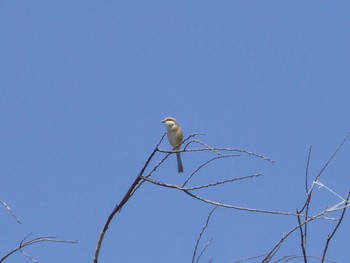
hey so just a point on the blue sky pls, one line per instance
(85, 84)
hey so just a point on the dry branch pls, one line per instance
(141, 178)
(10, 211)
(336, 228)
(33, 241)
(200, 238)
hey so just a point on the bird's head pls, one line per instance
(169, 122)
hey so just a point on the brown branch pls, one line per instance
(302, 237)
(250, 258)
(307, 202)
(200, 237)
(206, 146)
(10, 211)
(33, 241)
(289, 258)
(205, 163)
(223, 182)
(333, 155)
(216, 150)
(188, 192)
(323, 169)
(204, 249)
(224, 150)
(303, 230)
(336, 228)
(307, 170)
(278, 245)
(135, 185)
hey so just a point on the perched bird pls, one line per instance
(175, 136)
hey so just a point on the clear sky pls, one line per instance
(85, 84)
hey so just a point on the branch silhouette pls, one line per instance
(142, 178)
(25, 243)
(303, 215)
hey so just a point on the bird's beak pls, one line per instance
(162, 121)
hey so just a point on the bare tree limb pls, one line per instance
(302, 237)
(223, 182)
(249, 258)
(301, 224)
(10, 211)
(33, 241)
(200, 237)
(205, 163)
(335, 229)
(307, 171)
(223, 150)
(303, 230)
(278, 245)
(215, 203)
(220, 154)
(308, 200)
(289, 258)
(135, 185)
(204, 249)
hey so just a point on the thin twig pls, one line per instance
(203, 251)
(215, 149)
(302, 237)
(336, 228)
(250, 258)
(308, 200)
(10, 211)
(289, 258)
(225, 150)
(303, 229)
(223, 182)
(206, 146)
(25, 254)
(205, 163)
(333, 155)
(24, 244)
(278, 245)
(188, 192)
(247, 209)
(307, 170)
(135, 185)
(200, 236)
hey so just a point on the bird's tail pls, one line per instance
(180, 168)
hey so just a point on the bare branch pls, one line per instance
(24, 244)
(200, 237)
(303, 229)
(233, 150)
(223, 182)
(278, 245)
(250, 258)
(215, 149)
(224, 150)
(289, 258)
(332, 157)
(206, 146)
(336, 228)
(307, 171)
(302, 237)
(10, 211)
(205, 163)
(215, 203)
(204, 249)
(135, 185)
(308, 200)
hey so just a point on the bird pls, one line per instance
(175, 137)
